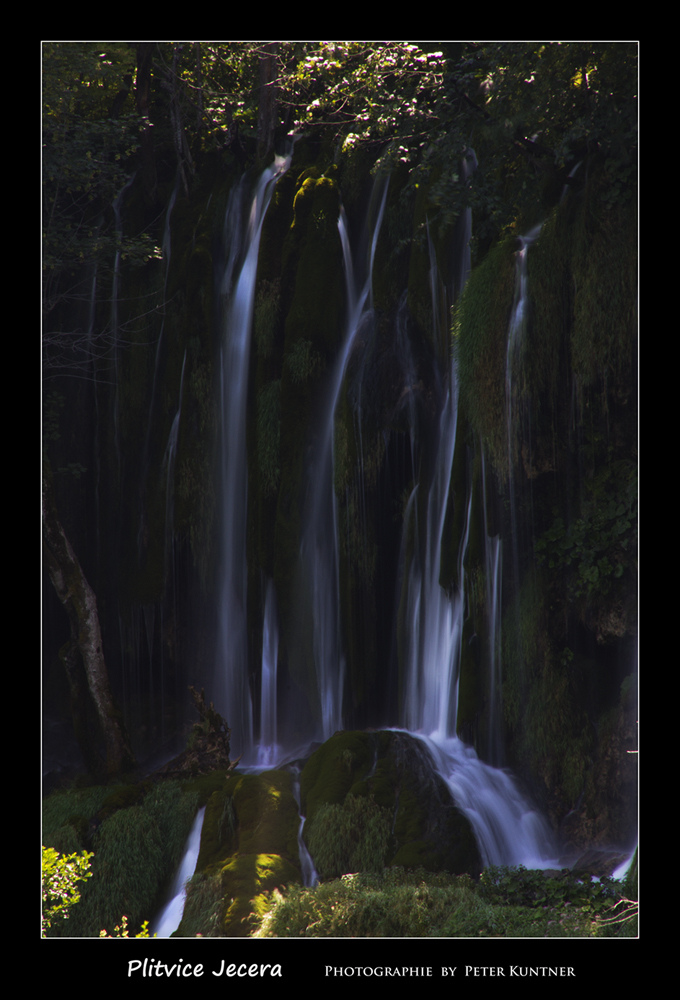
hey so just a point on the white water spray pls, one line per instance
(507, 829)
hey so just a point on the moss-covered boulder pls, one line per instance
(408, 817)
(244, 878)
(248, 847)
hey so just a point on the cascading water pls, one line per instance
(319, 549)
(516, 334)
(493, 565)
(507, 829)
(170, 916)
(310, 875)
(268, 750)
(435, 621)
(231, 685)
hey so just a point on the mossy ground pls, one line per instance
(248, 876)
(397, 903)
(137, 849)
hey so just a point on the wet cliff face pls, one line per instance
(559, 487)
(538, 532)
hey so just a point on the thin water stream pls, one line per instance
(168, 920)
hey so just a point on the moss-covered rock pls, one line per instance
(394, 773)
(246, 876)
(248, 846)
(352, 837)
(250, 814)
(481, 348)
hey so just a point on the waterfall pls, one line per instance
(435, 621)
(169, 465)
(516, 334)
(507, 829)
(411, 500)
(166, 245)
(268, 750)
(493, 562)
(319, 549)
(310, 877)
(232, 691)
(170, 916)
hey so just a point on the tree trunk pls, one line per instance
(80, 604)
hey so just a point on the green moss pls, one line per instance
(244, 878)
(303, 362)
(123, 797)
(401, 904)
(267, 814)
(350, 837)
(204, 785)
(605, 292)
(203, 907)
(250, 814)
(136, 852)
(480, 330)
(314, 253)
(593, 559)
(216, 843)
(416, 854)
(266, 314)
(248, 846)
(543, 703)
(60, 809)
(226, 902)
(390, 772)
(269, 436)
(332, 770)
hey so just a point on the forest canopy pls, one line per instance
(526, 108)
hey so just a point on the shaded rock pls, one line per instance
(594, 862)
(395, 771)
(607, 811)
